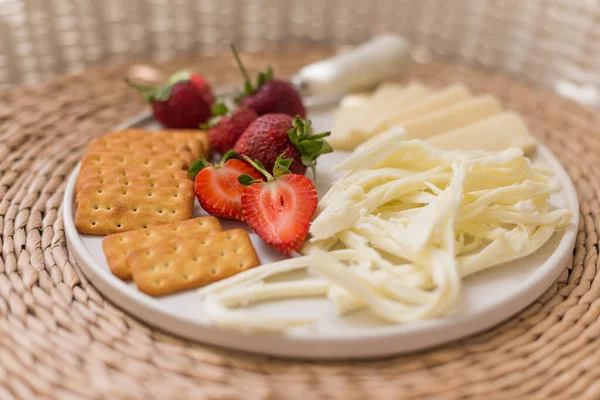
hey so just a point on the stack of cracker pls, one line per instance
(179, 256)
(135, 178)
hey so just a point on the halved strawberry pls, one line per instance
(217, 187)
(280, 209)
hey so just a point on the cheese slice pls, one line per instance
(496, 133)
(462, 114)
(346, 117)
(386, 102)
(433, 102)
(354, 111)
(352, 100)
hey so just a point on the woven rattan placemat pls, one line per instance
(59, 339)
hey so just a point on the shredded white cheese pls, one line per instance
(399, 232)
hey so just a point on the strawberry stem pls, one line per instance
(259, 167)
(281, 167)
(149, 92)
(241, 67)
(249, 89)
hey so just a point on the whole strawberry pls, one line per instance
(270, 95)
(184, 102)
(225, 127)
(274, 134)
(279, 210)
(217, 188)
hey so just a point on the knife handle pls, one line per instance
(382, 58)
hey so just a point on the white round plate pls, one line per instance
(487, 299)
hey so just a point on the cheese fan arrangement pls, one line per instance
(437, 187)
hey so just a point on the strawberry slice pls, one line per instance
(279, 210)
(217, 188)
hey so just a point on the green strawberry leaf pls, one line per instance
(198, 166)
(310, 146)
(294, 136)
(247, 180)
(248, 88)
(264, 77)
(231, 154)
(183, 75)
(218, 110)
(281, 166)
(320, 136)
(163, 93)
(212, 121)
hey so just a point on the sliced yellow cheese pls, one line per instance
(346, 116)
(429, 104)
(462, 114)
(355, 99)
(354, 111)
(386, 102)
(433, 102)
(496, 133)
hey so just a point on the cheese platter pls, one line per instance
(419, 216)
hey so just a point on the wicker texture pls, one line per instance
(543, 40)
(59, 339)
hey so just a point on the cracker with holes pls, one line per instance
(151, 143)
(185, 155)
(98, 172)
(184, 135)
(191, 263)
(118, 246)
(132, 160)
(128, 182)
(104, 209)
(117, 179)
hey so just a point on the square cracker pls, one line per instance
(191, 262)
(178, 134)
(136, 181)
(155, 148)
(202, 136)
(118, 246)
(118, 179)
(101, 170)
(148, 143)
(105, 209)
(132, 160)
